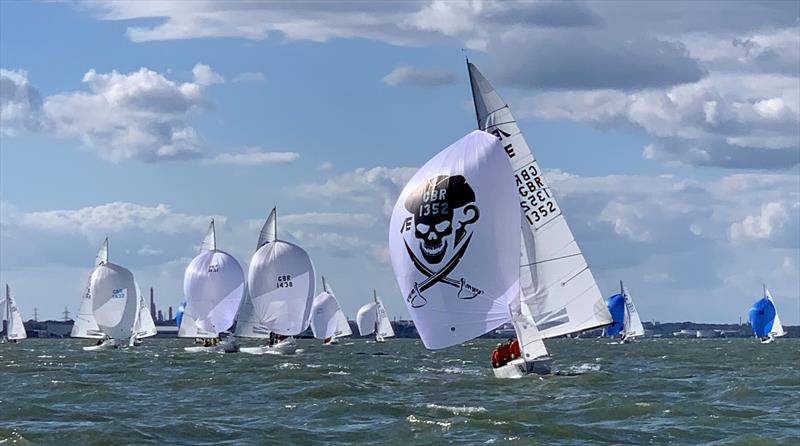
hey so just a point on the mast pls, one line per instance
(8, 311)
(275, 210)
(621, 289)
(325, 285)
(214, 232)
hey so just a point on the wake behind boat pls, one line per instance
(280, 291)
(213, 286)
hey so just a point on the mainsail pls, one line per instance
(327, 318)
(633, 324)
(114, 300)
(144, 326)
(556, 284)
(384, 325)
(248, 323)
(269, 232)
(453, 240)
(15, 329)
(213, 286)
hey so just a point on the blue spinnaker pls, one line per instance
(616, 306)
(762, 315)
(179, 314)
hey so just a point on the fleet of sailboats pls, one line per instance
(477, 240)
(372, 318)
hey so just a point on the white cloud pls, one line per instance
(406, 75)
(771, 219)
(112, 218)
(249, 77)
(254, 156)
(20, 103)
(148, 250)
(325, 166)
(204, 75)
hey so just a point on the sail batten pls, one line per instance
(554, 276)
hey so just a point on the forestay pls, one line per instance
(327, 318)
(114, 301)
(281, 285)
(454, 242)
(556, 283)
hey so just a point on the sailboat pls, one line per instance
(14, 328)
(113, 296)
(626, 319)
(280, 291)
(85, 326)
(143, 326)
(765, 320)
(558, 293)
(372, 318)
(213, 286)
(328, 321)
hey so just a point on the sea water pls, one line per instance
(704, 391)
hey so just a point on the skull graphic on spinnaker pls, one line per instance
(443, 207)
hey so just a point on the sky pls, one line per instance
(670, 133)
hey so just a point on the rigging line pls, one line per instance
(556, 258)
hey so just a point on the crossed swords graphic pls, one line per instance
(466, 291)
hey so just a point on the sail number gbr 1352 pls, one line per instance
(537, 202)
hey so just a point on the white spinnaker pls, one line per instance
(248, 324)
(555, 280)
(633, 324)
(366, 318)
(189, 329)
(144, 327)
(384, 325)
(777, 328)
(454, 242)
(281, 284)
(15, 329)
(269, 232)
(327, 318)
(213, 286)
(114, 300)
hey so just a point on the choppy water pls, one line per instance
(652, 392)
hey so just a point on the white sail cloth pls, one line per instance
(281, 286)
(633, 323)
(384, 327)
(85, 326)
(327, 318)
(777, 328)
(213, 286)
(555, 280)
(454, 242)
(366, 318)
(114, 300)
(15, 329)
(144, 326)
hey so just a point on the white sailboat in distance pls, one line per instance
(281, 284)
(85, 326)
(113, 294)
(143, 326)
(328, 321)
(213, 286)
(558, 293)
(765, 320)
(372, 318)
(14, 329)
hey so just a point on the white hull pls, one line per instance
(108, 344)
(222, 347)
(519, 368)
(769, 340)
(285, 347)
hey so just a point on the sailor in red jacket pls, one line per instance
(513, 348)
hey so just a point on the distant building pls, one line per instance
(160, 316)
(152, 305)
(170, 313)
